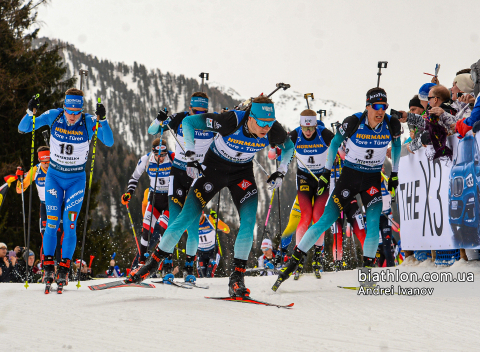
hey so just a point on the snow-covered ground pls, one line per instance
(324, 318)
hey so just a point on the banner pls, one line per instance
(3, 193)
(439, 201)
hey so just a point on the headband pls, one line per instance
(158, 147)
(262, 111)
(73, 101)
(308, 120)
(44, 155)
(199, 102)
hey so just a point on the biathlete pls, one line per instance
(159, 182)
(71, 133)
(180, 182)
(369, 134)
(208, 254)
(228, 163)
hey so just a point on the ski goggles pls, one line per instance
(379, 106)
(198, 112)
(71, 112)
(308, 128)
(157, 148)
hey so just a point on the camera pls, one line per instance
(395, 113)
(459, 94)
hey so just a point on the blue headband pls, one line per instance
(73, 101)
(199, 102)
(262, 111)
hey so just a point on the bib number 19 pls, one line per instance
(66, 149)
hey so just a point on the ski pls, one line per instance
(174, 283)
(194, 284)
(252, 301)
(120, 283)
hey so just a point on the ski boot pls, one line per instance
(299, 270)
(236, 284)
(150, 267)
(188, 275)
(289, 268)
(365, 272)
(317, 263)
(48, 272)
(62, 274)
(167, 267)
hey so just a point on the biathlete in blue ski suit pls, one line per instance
(228, 163)
(180, 182)
(71, 133)
(369, 134)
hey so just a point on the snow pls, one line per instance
(168, 318)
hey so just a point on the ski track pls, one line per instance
(174, 319)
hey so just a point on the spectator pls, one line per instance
(86, 273)
(463, 83)
(417, 107)
(269, 258)
(19, 272)
(6, 265)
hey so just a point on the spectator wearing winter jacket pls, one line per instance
(417, 107)
(463, 83)
(19, 272)
(6, 265)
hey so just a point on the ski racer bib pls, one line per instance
(40, 182)
(69, 145)
(203, 139)
(206, 233)
(163, 173)
(237, 147)
(312, 153)
(366, 148)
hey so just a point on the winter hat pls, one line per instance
(266, 244)
(31, 254)
(423, 92)
(3, 245)
(464, 82)
(415, 101)
(308, 120)
(77, 263)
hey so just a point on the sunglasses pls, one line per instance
(71, 112)
(198, 112)
(308, 128)
(162, 155)
(379, 106)
(264, 123)
(430, 98)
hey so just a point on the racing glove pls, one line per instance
(101, 112)
(126, 197)
(162, 116)
(393, 181)
(275, 180)
(34, 103)
(323, 181)
(194, 168)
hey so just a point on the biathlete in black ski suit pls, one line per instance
(369, 134)
(180, 182)
(228, 163)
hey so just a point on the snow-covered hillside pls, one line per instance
(324, 317)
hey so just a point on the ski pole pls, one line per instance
(133, 228)
(279, 209)
(32, 153)
(305, 166)
(216, 220)
(381, 64)
(175, 137)
(23, 209)
(306, 95)
(88, 196)
(268, 215)
(261, 167)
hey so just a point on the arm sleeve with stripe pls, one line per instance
(133, 182)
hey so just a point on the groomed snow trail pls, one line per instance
(324, 318)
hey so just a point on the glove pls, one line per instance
(101, 111)
(275, 180)
(34, 103)
(213, 213)
(194, 169)
(269, 266)
(126, 198)
(425, 138)
(393, 181)
(323, 181)
(19, 172)
(162, 116)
